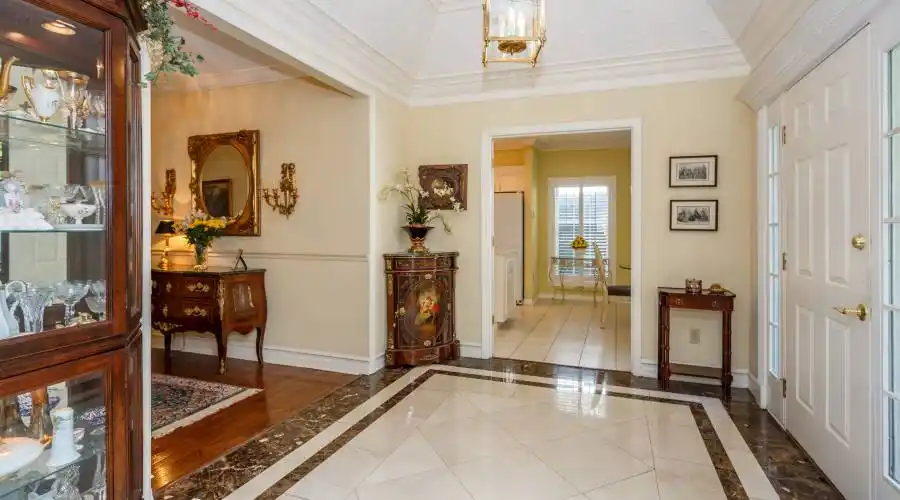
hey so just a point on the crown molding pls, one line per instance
(207, 81)
(821, 30)
(586, 76)
(307, 36)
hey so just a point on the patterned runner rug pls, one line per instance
(177, 401)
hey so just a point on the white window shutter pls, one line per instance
(585, 210)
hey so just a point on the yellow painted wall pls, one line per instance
(586, 163)
(509, 157)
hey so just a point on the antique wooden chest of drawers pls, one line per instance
(214, 301)
(421, 326)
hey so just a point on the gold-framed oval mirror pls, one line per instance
(225, 179)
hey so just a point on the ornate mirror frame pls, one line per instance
(246, 142)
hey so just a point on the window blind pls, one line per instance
(581, 209)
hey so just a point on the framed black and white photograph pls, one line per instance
(694, 215)
(693, 171)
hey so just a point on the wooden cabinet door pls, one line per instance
(423, 319)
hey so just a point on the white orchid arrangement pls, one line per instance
(413, 194)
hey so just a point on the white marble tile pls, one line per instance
(642, 487)
(453, 441)
(588, 461)
(536, 423)
(632, 436)
(338, 476)
(431, 485)
(519, 476)
(681, 480)
(413, 456)
(679, 443)
(386, 434)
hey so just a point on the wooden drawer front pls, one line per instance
(422, 264)
(161, 285)
(708, 302)
(197, 286)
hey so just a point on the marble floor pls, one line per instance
(499, 429)
(568, 333)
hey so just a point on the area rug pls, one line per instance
(176, 401)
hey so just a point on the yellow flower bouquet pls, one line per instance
(579, 243)
(201, 230)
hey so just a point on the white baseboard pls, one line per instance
(290, 356)
(648, 368)
(470, 350)
(755, 389)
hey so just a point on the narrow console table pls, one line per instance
(678, 298)
(421, 326)
(218, 301)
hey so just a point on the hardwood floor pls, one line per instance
(286, 390)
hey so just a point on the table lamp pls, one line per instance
(167, 229)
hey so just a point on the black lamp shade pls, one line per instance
(166, 227)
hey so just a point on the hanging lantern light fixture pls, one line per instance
(514, 31)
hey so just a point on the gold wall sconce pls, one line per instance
(283, 198)
(164, 204)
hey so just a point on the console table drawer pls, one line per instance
(705, 302)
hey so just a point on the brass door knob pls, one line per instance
(858, 242)
(861, 311)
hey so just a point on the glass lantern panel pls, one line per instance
(513, 18)
(53, 440)
(54, 171)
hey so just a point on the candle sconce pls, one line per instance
(283, 199)
(164, 204)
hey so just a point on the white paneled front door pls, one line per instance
(825, 171)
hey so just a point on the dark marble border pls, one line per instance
(723, 466)
(790, 470)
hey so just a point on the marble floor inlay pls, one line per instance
(497, 429)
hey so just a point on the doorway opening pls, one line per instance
(561, 244)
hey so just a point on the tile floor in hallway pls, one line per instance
(503, 429)
(568, 333)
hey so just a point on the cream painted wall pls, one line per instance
(317, 261)
(693, 118)
(390, 118)
(586, 163)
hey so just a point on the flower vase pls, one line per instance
(201, 253)
(580, 252)
(417, 234)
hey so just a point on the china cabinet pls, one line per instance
(70, 249)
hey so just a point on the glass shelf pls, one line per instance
(29, 477)
(92, 228)
(35, 134)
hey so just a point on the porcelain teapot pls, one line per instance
(44, 95)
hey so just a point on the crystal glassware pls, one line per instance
(15, 291)
(98, 287)
(34, 301)
(70, 293)
(97, 305)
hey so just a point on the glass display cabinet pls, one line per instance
(70, 249)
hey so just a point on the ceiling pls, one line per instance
(614, 139)
(436, 44)
(226, 60)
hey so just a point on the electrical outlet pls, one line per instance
(695, 335)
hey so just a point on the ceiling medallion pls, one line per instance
(514, 31)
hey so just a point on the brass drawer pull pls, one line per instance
(715, 303)
(168, 287)
(195, 311)
(677, 302)
(165, 311)
(195, 287)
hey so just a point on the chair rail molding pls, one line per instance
(820, 31)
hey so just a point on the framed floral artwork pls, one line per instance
(444, 184)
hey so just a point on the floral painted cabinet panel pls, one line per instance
(420, 317)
